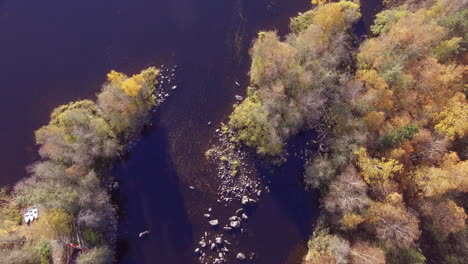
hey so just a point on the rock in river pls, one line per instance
(240, 256)
(235, 224)
(214, 222)
(143, 234)
(244, 200)
(218, 240)
(202, 244)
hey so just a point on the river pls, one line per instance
(57, 51)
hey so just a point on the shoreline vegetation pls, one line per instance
(69, 184)
(392, 111)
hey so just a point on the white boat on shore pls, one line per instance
(31, 214)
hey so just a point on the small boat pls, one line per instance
(35, 212)
(28, 216)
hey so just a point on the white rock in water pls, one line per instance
(238, 84)
(197, 251)
(245, 217)
(234, 224)
(191, 187)
(207, 215)
(143, 234)
(244, 200)
(218, 240)
(214, 222)
(174, 87)
(239, 98)
(240, 256)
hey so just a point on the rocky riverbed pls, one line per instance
(239, 189)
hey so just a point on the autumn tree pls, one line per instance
(436, 181)
(126, 101)
(251, 122)
(326, 247)
(347, 193)
(446, 216)
(364, 253)
(272, 60)
(429, 148)
(376, 170)
(319, 2)
(385, 20)
(453, 121)
(53, 224)
(98, 255)
(77, 134)
(393, 223)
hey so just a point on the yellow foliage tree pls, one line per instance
(319, 2)
(378, 95)
(115, 77)
(436, 181)
(331, 19)
(132, 85)
(351, 220)
(376, 170)
(9, 219)
(453, 121)
(53, 224)
(374, 120)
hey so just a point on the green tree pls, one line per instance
(77, 134)
(394, 138)
(44, 252)
(98, 255)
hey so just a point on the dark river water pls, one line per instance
(56, 51)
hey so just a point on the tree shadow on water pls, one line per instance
(151, 200)
(290, 211)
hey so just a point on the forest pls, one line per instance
(69, 184)
(392, 166)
